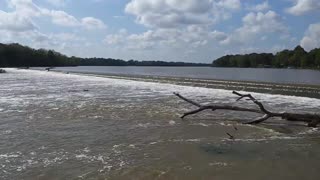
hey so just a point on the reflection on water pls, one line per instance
(59, 126)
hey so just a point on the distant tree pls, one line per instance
(298, 55)
(282, 59)
(314, 57)
(295, 58)
(16, 55)
(317, 58)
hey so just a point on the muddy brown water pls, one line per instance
(68, 126)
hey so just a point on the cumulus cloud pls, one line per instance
(304, 6)
(230, 4)
(174, 24)
(174, 13)
(27, 9)
(19, 24)
(259, 7)
(64, 19)
(263, 22)
(15, 22)
(61, 18)
(162, 13)
(192, 37)
(24, 8)
(311, 39)
(20, 19)
(255, 24)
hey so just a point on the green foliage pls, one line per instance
(247, 60)
(297, 58)
(16, 55)
(315, 56)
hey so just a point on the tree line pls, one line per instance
(16, 55)
(297, 58)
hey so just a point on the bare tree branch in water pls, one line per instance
(311, 119)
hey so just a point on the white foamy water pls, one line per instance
(147, 89)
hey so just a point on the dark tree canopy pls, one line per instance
(297, 58)
(16, 55)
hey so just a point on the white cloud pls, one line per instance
(15, 22)
(64, 19)
(175, 23)
(26, 9)
(219, 36)
(259, 7)
(61, 18)
(230, 4)
(114, 39)
(304, 6)
(20, 19)
(92, 23)
(37, 39)
(19, 26)
(177, 13)
(192, 37)
(255, 24)
(263, 22)
(311, 39)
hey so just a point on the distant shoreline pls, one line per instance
(292, 59)
(209, 65)
(16, 55)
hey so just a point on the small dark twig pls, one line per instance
(230, 136)
(235, 128)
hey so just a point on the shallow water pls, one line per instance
(66, 126)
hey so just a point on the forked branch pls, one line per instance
(312, 119)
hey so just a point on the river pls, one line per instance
(72, 126)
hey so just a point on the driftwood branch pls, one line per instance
(311, 119)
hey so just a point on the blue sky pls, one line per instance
(169, 30)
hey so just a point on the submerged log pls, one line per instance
(312, 120)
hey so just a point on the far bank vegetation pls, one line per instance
(16, 55)
(297, 58)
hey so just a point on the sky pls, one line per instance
(167, 30)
